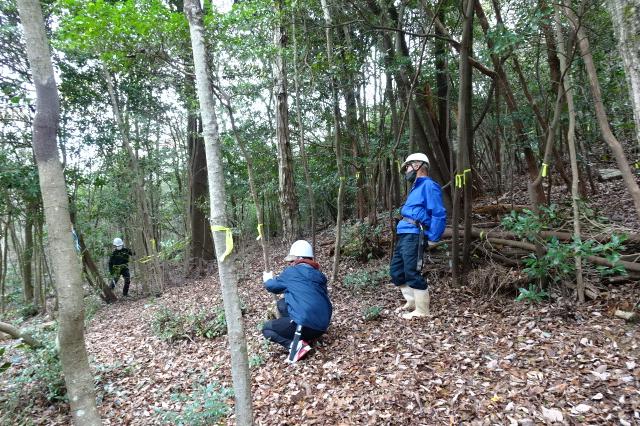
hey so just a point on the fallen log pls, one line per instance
(560, 235)
(17, 334)
(629, 266)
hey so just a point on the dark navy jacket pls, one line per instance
(305, 291)
(424, 205)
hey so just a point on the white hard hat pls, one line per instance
(118, 242)
(300, 248)
(418, 156)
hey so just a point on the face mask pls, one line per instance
(411, 176)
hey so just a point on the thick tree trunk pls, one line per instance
(226, 270)
(601, 114)
(626, 24)
(201, 247)
(75, 364)
(286, 184)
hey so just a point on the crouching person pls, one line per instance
(306, 300)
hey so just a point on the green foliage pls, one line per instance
(256, 360)
(3, 365)
(532, 295)
(362, 241)
(205, 405)
(28, 311)
(92, 305)
(172, 326)
(372, 313)
(558, 261)
(365, 280)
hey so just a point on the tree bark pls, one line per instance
(226, 269)
(567, 84)
(286, 184)
(601, 114)
(626, 24)
(201, 246)
(27, 256)
(75, 364)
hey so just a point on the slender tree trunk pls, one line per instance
(626, 24)
(286, 184)
(27, 256)
(601, 114)
(75, 364)
(571, 142)
(226, 270)
(337, 141)
(5, 265)
(301, 144)
(465, 127)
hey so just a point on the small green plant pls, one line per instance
(3, 365)
(532, 295)
(205, 405)
(91, 306)
(365, 280)
(29, 310)
(256, 360)
(172, 326)
(372, 313)
(362, 242)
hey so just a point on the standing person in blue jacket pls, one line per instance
(423, 217)
(306, 300)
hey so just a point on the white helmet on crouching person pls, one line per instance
(118, 243)
(300, 248)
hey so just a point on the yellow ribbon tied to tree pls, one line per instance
(228, 242)
(545, 167)
(260, 226)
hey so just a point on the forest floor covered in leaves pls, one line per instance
(474, 361)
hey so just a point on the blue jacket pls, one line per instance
(424, 205)
(306, 295)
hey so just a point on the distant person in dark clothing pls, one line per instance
(306, 300)
(119, 265)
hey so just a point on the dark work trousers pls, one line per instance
(123, 270)
(281, 330)
(404, 264)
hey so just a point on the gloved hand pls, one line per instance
(266, 276)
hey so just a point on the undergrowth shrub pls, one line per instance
(558, 261)
(532, 295)
(372, 313)
(173, 326)
(365, 280)
(362, 241)
(205, 405)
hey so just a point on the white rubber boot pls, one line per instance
(422, 305)
(407, 292)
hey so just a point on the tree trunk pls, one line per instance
(567, 83)
(465, 127)
(337, 141)
(601, 114)
(201, 247)
(626, 24)
(301, 144)
(27, 256)
(75, 364)
(286, 184)
(226, 270)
